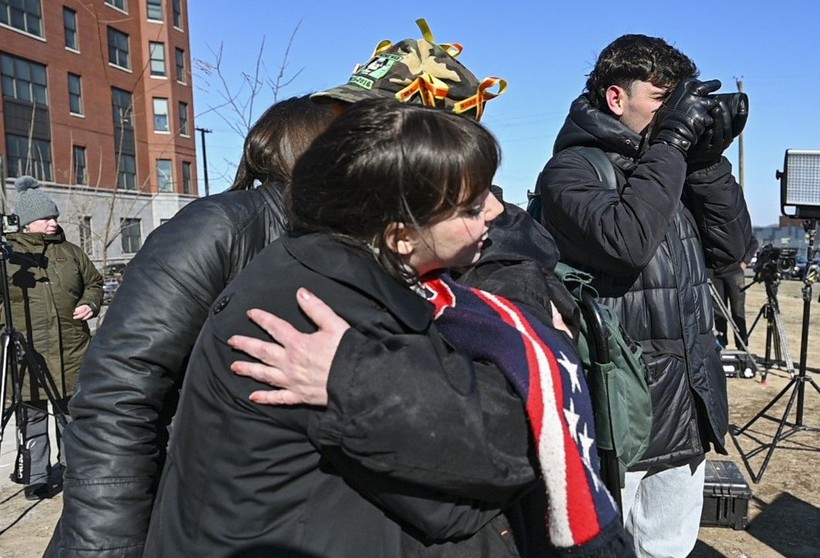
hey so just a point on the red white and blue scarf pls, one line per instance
(543, 367)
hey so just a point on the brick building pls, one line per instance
(97, 103)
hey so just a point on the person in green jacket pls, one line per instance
(54, 290)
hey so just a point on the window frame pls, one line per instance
(9, 13)
(183, 120)
(158, 102)
(165, 176)
(155, 47)
(74, 31)
(156, 4)
(179, 63)
(114, 50)
(78, 95)
(186, 177)
(176, 9)
(78, 154)
(130, 242)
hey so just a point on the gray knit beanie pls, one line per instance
(32, 204)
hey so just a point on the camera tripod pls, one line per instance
(775, 331)
(17, 359)
(797, 384)
(721, 306)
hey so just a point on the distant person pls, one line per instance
(129, 382)
(676, 210)
(54, 290)
(729, 282)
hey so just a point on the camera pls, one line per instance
(736, 107)
(772, 262)
(11, 223)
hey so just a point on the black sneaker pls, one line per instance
(37, 491)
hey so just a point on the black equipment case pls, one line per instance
(726, 496)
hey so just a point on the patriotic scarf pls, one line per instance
(543, 367)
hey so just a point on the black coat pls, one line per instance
(648, 244)
(128, 382)
(299, 481)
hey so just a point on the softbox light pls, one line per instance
(800, 184)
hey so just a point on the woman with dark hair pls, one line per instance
(388, 193)
(277, 139)
(383, 201)
(115, 445)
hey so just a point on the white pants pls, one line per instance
(662, 508)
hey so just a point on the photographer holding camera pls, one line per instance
(674, 210)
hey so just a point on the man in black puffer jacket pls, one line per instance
(648, 243)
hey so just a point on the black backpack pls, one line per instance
(616, 372)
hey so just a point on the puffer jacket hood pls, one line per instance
(586, 125)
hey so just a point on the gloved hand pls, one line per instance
(685, 115)
(729, 116)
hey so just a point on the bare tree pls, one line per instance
(238, 105)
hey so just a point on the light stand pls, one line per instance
(800, 188)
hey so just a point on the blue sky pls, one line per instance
(543, 49)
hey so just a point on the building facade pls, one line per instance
(97, 104)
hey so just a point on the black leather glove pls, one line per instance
(729, 117)
(685, 115)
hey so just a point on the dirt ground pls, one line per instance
(784, 509)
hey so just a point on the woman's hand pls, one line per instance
(297, 363)
(83, 312)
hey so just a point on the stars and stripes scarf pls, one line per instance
(543, 367)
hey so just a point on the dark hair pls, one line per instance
(277, 139)
(633, 58)
(382, 162)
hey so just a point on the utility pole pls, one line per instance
(740, 159)
(202, 132)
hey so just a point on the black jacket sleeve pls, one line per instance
(614, 231)
(137, 356)
(396, 424)
(716, 201)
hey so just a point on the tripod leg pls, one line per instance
(778, 435)
(767, 407)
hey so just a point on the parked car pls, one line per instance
(110, 287)
(799, 269)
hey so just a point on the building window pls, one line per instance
(157, 51)
(118, 51)
(86, 243)
(75, 94)
(79, 165)
(180, 57)
(26, 117)
(124, 142)
(26, 155)
(160, 114)
(123, 108)
(165, 180)
(155, 10)
(24, 15)
(70, 28)
(121, 4)
(183, 119)
(127, 172)
(177, 13)
(24, 80)
(186, 177)
(131, 235)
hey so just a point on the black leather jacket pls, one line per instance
(648, 244)
(129, 380)
(260, 480)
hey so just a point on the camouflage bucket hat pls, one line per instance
(421, 71)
